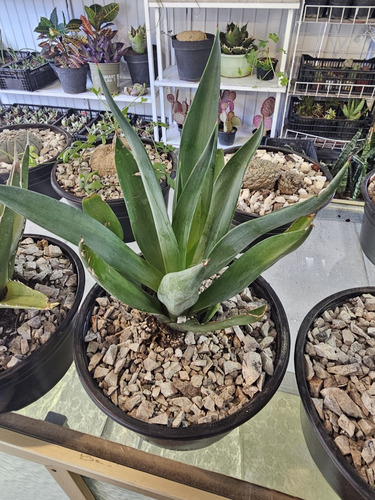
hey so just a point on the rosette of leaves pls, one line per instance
(236, 40)
(179, 253)
(61, 42)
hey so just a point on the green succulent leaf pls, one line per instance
(139, 212)
(124, 290)
(242, 319)
(42, 210)
(252, 263)
(21, 296)
(225, 195)
(94, 206)
(163, 227)
(179, 291)
(196, 133)
(245, 234)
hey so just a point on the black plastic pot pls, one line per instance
(300, 146)
(362, 13)
(138, 66)
(267, 74)
(315, 11)
(227, 138)
(118, 205)
(336, 469)
(337, 13)
(192, 57)
(192, 437)
(240, 216)
(39, 176)
(38, 373)
(367, 234)
(73, 80)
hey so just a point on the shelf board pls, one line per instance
(332, 89)
(246, 84)
(238, 4)
(55, 90)
(242, 135)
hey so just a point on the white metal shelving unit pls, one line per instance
(357, 20)
(168, 76)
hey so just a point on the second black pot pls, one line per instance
(334, 466)
(73, 80)
(367, 234)
(192, 57)
(139, 67)
(39, 372)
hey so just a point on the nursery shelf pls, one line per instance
(170, 79)
(55, 90)
(207, 4)
(360, 14)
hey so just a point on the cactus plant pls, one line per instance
(179, 109)
(137, 39)
(17, 140)
(236, 40)
(226, 111)
(266, 111)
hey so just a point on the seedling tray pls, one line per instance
(24, 111)
(338, 128)
(336, 75)
(82, 133)
(26, 79)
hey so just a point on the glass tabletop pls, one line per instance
(269, 450)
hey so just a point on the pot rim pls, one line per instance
(365, 182)
(191, 433)
(325, 439)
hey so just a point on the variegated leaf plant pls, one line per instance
(178, 255)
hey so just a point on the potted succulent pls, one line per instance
(235, 45)
(192, 49)
(228, 121)
(179, 109)
(64, 51)
(266, 112)
(102, 52)
(188, 267)
(36, 329)
(136, 57)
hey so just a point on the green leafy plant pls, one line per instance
(14, 294)
(261, 58)
(59, 44)
(236, 40)
(89, 182)
(197, 243)
(354, 109)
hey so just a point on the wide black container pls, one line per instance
(39, 176)
(336, 469)
(195, 436)
(367, 234)
(192, 57)
(38, 373)
(26, 79)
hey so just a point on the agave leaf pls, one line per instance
(196, 132)
(74, 225)
(21, 296)
(97, 208)
(138, 208)
(185, 208)
(252, 263)
(242, 319)
(179, 291)
(163, 227)
(226, 191)
(124, 290)
(244, 234)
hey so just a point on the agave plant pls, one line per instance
(14, 294)
(236, 40)
(181, 253)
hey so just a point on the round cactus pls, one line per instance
(11, 138)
